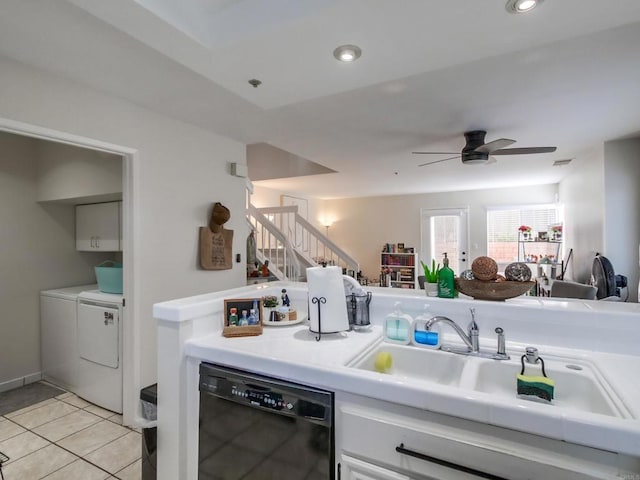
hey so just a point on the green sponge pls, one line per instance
(541, 387)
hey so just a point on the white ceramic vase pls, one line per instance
(431, 289)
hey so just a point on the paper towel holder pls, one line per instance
(319, 300)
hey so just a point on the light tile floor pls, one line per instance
(67, 438)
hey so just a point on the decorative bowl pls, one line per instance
(492, 290)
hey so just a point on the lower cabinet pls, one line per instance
(377, 440)
(354, 469)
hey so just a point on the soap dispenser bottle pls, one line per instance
(420, 336)
(397, 326)
(446, 281)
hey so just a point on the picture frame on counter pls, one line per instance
(242, 317)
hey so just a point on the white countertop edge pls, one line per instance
(184, 309)
(190, 308)
(592, 430)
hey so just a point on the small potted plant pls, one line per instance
(526, 232)
(556, 233)
(269, 303)
(431, 278)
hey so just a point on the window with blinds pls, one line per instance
(503, 224)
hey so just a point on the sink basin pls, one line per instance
(416, 363)
(577, 386)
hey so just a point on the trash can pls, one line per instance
(149, 403)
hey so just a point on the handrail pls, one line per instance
(309, 242)
(274, 246)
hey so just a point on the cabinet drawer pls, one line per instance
(356, 469)
(455, 454)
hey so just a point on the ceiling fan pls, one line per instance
(476, 151)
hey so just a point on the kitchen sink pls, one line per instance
(577, 386)
(416, 363)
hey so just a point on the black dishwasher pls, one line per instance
(254, 427)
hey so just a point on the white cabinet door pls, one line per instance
(355, 469)
(98, 227)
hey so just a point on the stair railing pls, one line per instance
(273, 246)
(309, 242)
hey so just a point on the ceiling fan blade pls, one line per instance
(438, 161)
(436, 153)
(523, 151)
(495, 145)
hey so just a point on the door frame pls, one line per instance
(130, 159)
(425, 219)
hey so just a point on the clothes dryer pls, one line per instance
(99, 346)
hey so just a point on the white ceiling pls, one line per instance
(566, 74)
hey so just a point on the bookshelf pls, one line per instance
(401, 268)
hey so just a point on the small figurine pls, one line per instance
(233, 317)
(243, 321)
(285, 298)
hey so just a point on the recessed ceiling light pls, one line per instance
(347, 53)
(522, 6)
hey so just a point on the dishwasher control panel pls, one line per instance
(266, 394)
(262, 399)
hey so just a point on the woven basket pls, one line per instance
(492, 290)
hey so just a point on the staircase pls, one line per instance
(291, 244)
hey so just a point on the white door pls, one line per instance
(98, 334)
(445, 230)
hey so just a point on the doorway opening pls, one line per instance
(126, 158)
(445, 230)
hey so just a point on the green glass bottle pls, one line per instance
(446, 282)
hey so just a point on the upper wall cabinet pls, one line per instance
(98, 227)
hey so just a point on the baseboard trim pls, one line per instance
(20, 382)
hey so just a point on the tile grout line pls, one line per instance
(14, 460)
(53, 420)
(76, 457)
(72, 453)
(49, 442)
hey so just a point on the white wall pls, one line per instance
(178, 171)
(38, 253)
(363, 225)
(67, 173)
(622, 202)
(267, 197)
(582, 193)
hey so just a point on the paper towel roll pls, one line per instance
(327, 282)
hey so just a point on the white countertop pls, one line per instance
(292, 353)
(602, 334)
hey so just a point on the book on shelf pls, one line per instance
(396, 248)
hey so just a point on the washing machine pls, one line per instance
(99, 346)
(58, 338)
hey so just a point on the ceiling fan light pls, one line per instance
(522, 6)
(347, 53)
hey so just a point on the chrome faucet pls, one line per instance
(470, 339)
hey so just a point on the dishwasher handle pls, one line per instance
(454, 466)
